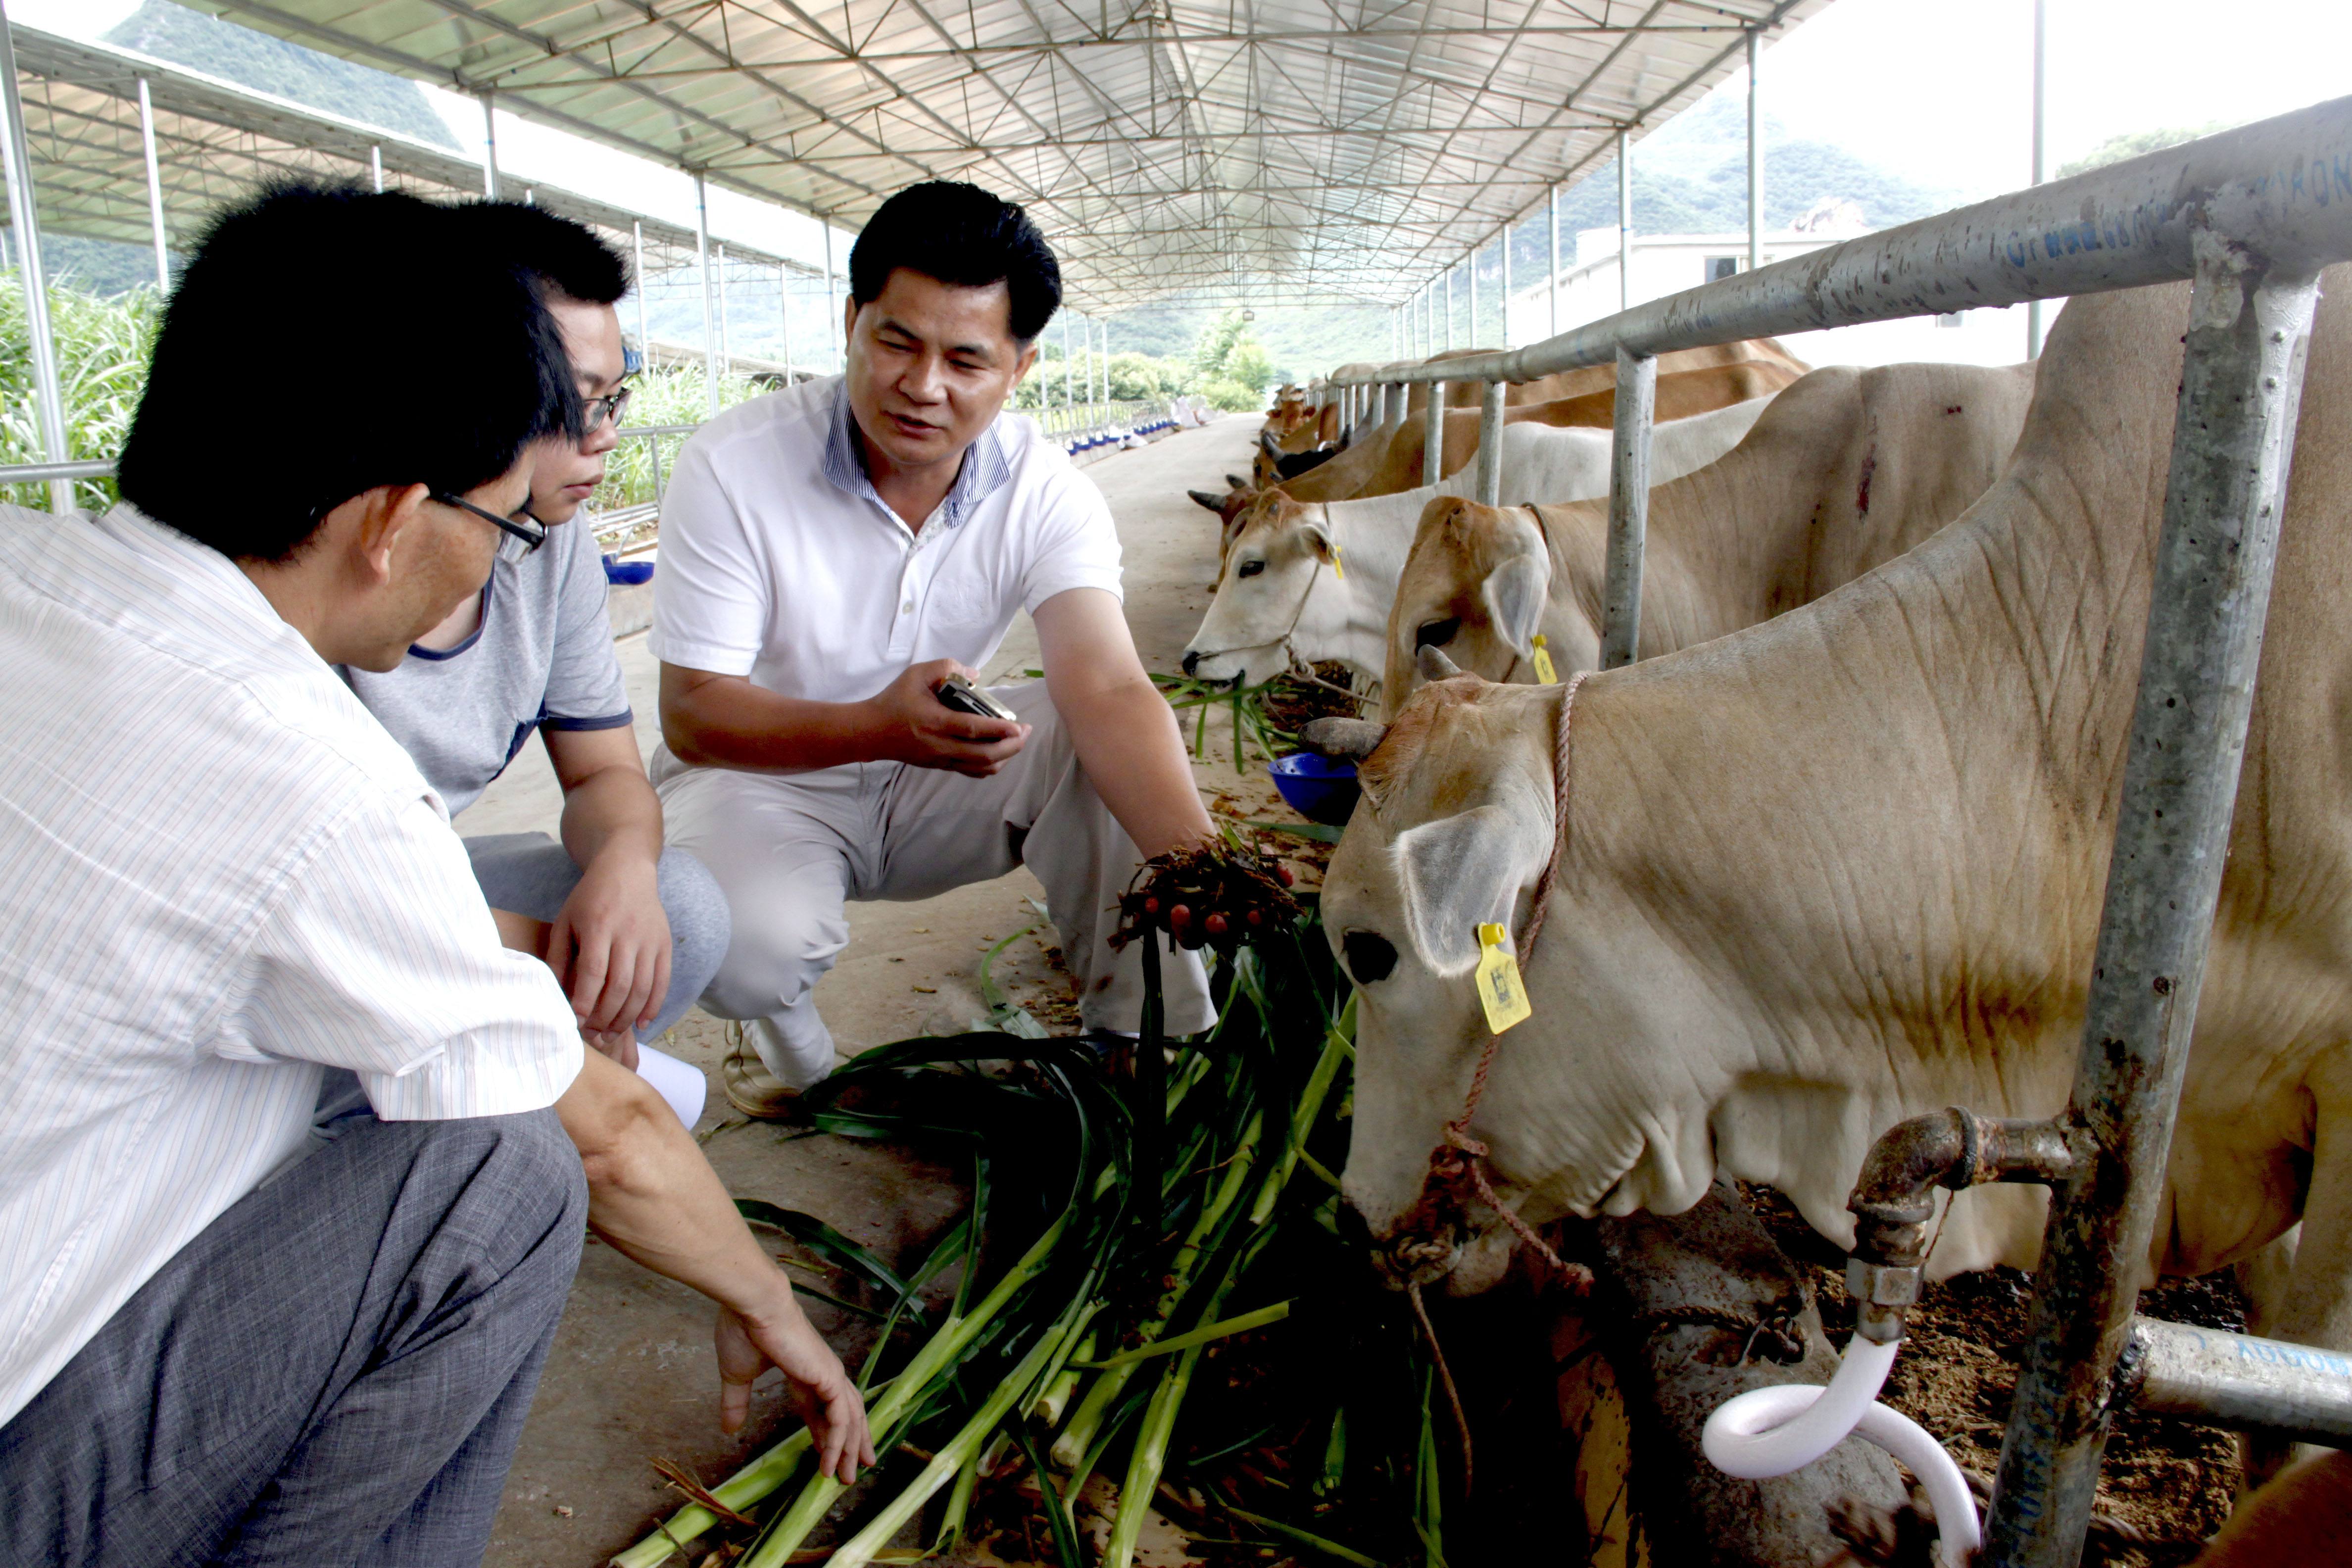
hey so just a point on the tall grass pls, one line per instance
(664, 394)
(102, 346)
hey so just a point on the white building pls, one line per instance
(1668, 264)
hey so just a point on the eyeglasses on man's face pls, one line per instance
(594, 411)
(523, 525)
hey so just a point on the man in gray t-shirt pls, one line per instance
(633, 930)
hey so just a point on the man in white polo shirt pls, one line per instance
(830, 555)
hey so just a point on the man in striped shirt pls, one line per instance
(219, 1344)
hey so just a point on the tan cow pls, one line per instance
(1601, 377)
(1846, 868)
(1387, 459)
(1845, 469)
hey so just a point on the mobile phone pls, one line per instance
(962, 695)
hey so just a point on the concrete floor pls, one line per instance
(632, 1376)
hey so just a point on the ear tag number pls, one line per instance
(1336, 570)
(1544, 670)
(1499, 991)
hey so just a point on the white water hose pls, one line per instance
(1769, 1432)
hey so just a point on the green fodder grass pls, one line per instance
(102, 346)
(664, 394)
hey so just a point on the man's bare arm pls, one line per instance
(654, 1197)
(1124, 730)
(726, 722)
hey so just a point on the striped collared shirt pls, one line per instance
(217, 873)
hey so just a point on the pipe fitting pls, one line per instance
(1894, 1198)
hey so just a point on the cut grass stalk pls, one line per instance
(739, 1490)
(1307, 1539)
(1208, 1333)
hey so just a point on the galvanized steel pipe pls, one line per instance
(1433, 454)
(2248, 330)
(47, 403)
(1629, 508)
(2238, 1381)
(1490, 444)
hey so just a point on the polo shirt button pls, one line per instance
(907, 608)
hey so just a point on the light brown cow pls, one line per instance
(1600, 378)
(1847, 867)
(1845, 470)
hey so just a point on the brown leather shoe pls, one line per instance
(752, 1089)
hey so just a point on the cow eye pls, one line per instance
(1250, 569)
(1370, 956)
(1437, 634)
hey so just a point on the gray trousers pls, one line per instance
(789, 849)
(531, 874)
(334, 1371)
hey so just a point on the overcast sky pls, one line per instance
(1938, 89)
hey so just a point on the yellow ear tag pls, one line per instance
(1499, 991)
(1544, 670)
(1336, 570)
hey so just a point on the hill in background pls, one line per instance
(257, 60)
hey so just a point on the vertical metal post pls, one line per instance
(637, 280)
(1629, 508)
(1624, 224)
(2241, 380)
(2041, 112)
(1755, 152)
(1507, 285)
(375, 166)
(1490, 444)
(1070, 367)
(784, 313)
(835, 339)
(1104, 329)
(725, 349)
(1552, 291)
(490, 151)
(1473, 269)
(155, 190)
(1449, 308)
(1432, 450)
(31, 274)
(1400, 407)
(702, 268)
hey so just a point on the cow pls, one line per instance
(1272, 589)
(1598, 377)
(1387, 459)
(1847, 867)
(1845, 469)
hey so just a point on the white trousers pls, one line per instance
(788, 851)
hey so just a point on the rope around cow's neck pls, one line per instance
(1461, 1154)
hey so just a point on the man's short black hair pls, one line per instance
(325, 341)
(961, 235)
(567, 256)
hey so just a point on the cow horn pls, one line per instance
(1351, 740)
(1434, 665)
(1215, 503)
(1236, 481)
(1267, 444)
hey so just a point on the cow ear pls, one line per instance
(1457, 873)
(1319, 539)
(1515, 594)
(1213, 502)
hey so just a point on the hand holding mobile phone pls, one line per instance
(964, 697)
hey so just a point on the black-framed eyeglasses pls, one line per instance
(527, 528)
(595, 411)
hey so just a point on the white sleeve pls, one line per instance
(711, 596)
(381, 956)
(1077, 544)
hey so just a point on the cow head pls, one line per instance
(1277, 551)
(1478, 586)
(1454, 830)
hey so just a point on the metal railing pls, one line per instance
(2250, 216)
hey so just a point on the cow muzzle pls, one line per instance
(1410, 1259)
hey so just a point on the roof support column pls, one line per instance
(1103, 332)
(1551, 291)
(22, 217)
(1755, 154)
(1507, 285)
(490, 151)
(637, 282)
(784, 313)
(836, 334)
(726, 353)
(702, 269)
(375, 166)
(1624, 224)
(155, 190)
(1070, 367)
(1472, 270)
(2041, 112)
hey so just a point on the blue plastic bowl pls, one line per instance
(1317, 788)
(627, 573)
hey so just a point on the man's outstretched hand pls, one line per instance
(819, 1387)
(912, 725)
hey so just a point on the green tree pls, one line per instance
(2116, 149)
